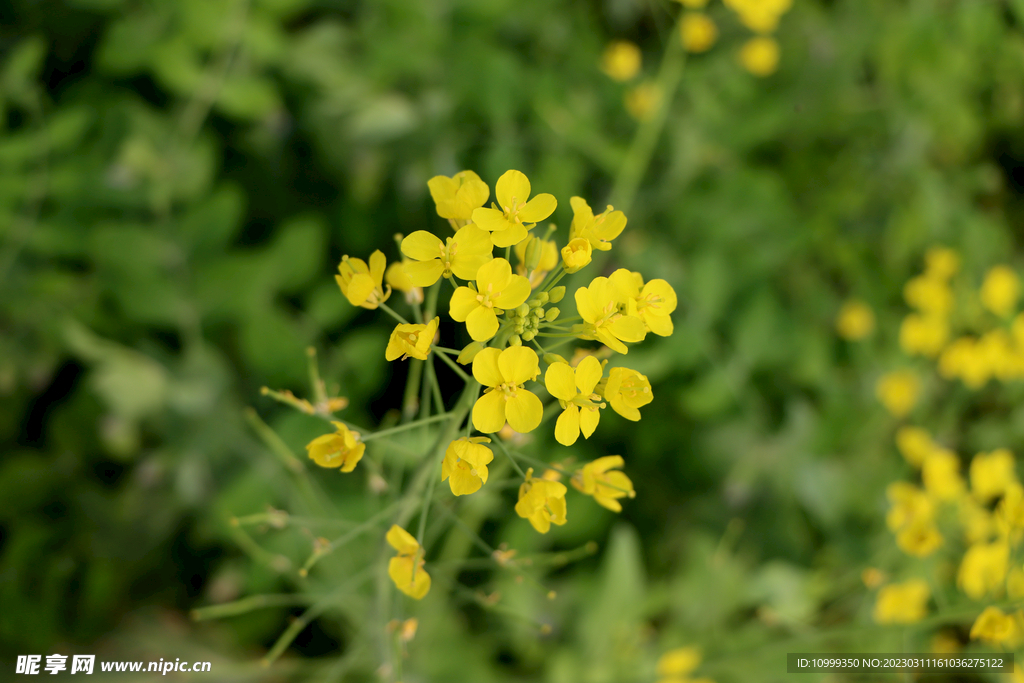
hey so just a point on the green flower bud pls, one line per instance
(556, 294)
(529, 335)
(467, 354)
(523, 310)
(552, 314)
(552, 358)
(514, 340)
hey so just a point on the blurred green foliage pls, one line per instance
(178, 180)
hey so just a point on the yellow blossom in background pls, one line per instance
(1010, 513)
(978, 523)
(964, 359)
(465, 464)
(599, 230)
(914, 443)
(457, 197)
(595, 479)
(503, 373)
(574, 389)
(1015, 583)
(855, 321)
(515, 213)
(398, 278)
(923, 335)
(642, 100)
(626, 392)
(694, 4)
(536, 258)
(411, 340)
(697, 31)
(898, 391)
(1000, 291)
(945, 643)
(902, 603)
(929, 295)
(362, 284)
(872, 577)
(653, 302)
(497, 288)
(406, 569)
(941, 263)
(940, 474)
(909, 505)
(576, 255)
(983, 569)
(461, 255)
(341, 449)
(542, 502)
(621, 60)
(991, 473)
(919, 539)
(600, 305)
(760, 16)
(678, 663)
(997, 628)
(760, 56)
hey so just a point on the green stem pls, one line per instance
(432, 294)
(404, 427)
(387, 309)
(454, 366)
(246, 605)
(412, 386)
(497, 440)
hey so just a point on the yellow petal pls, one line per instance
(415, 584)
(401, 540)
(489, 412)
(518, 364)
(485, 367)
(515, 292)
(589, 417)
(422, 246)
(474, 250)
(512, 186)
(660, 325)
(491, 220)
(424, 273)
(588, 374)
(628, 328)
(538, 208)
(359, 289)
(378, 264)
(585, 305)
(463, 302)
(567, 428)
(464, 482)
(560, 381)
(496, 272)
(481, 323)
(523, 411)
(513, 234)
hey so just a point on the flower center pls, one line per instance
(486, 297)
(512, 212)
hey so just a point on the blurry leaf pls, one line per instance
(784, 589)
(613, 616)
(247, 97)
(211, 223)
(21, 68)
(274, 348)
(762, 337)
(386, 117)
(293, 256)
(711, 394)
(709, 284)
(129, 42)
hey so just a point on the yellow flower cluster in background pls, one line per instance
(675, 666)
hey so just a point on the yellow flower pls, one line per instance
(978, 523)
(855, 321)
(653, 302)
(902, 603)
(940, 474)
(462, 255)
(760, 56)
(536, 258)
(923, 334)
(397, 277)
(606, 487)
(915, 444)
(411, 340)
(465, 464)
(698, 32)
(406, 569)
(363, 285)
(991, 473)
(514, 215)
(919, 539)
(600, 305)
(1010, 513)
(1000, 291)
(964, 359)
(761, 16)
(872, 577)
(929, 295)
(694, 4)
(504, 373)
(1015, 583)
(678, 663)
(576, 254)
(983, 569)
(909, 505)
(621, 60)
(941, 263)
(642, 100)
(626, 392)
(580, 407)
(496, 289)
(945, 643)
(457, 197)
(541, 501)
(599, 230)
(898, 391)
(997, 628)
(341, 449)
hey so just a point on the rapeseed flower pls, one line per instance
(341, 449)
(600, 305)
(621, 60)
(1000, 291)
(497, 288)
(677, 664)
(595, 479)
(760, 56)
(541, 501)
(536, 257)
(902, 603)
(997, 628)
(576, 254)
(941, 263)
(457, 197)
(509, 221)
(697, 31)
(966, 360)
(363, 285)
(504, 373)
(979, 524)
(909, 505)
(929, 295)
(915, 444)
(465, 464)
(411, 340)
(855, 321)
(991, 474)
(898, 391)
(983, 569)
(398, 278)
(574, 389)
(919, 539)
(924, 335)
(940, 474)
(461, 255)
(653, 302)
(761, 16)
(626, 392)
(599, 230)
(406, 569)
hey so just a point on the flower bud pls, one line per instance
(552, 314)
(556, 294)
(552, 358)
(467, 354)
(515, 340)
(576, 254)
(529, 335)
(523, 310)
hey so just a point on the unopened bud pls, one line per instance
(515, 340)
(537, 313)
(519, 328)
(529, 335)
(556, 294)
(552, 314)
(552, 358)
(467, 354)
(523, 310)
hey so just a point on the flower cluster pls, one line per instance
(760, 54)
(509, 315)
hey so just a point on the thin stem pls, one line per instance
(317, 384)
(387, 309)
(404, 427)
(432, 293)
(497, 440)
(246, 605)
(454, 366)
(412, 386)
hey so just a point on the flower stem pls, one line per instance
(407, 425)
(497, 440)
(387, 309)
(453, 365)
